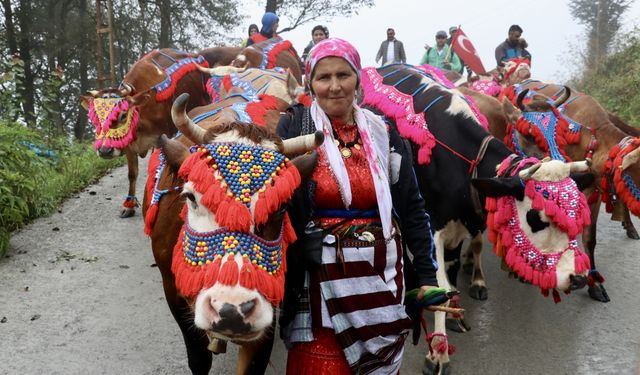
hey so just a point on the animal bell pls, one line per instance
(217, 346)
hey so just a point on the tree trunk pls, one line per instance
(165, 24)
(80, 126)
(8, 24)
(273, 5)
(24, 43)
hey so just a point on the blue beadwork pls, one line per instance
(203, 248)
(244, 168)
(633, 188)
(166, 83)
(157, 193)
(549, 131)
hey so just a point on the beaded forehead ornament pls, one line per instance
(229, 176)
(567, 209)
(104, 114)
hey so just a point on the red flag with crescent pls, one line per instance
(467, 52)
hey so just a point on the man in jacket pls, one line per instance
(391, 50)
(511, 48)
(440, 56)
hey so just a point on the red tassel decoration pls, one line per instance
(229, 273)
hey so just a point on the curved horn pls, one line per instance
(126, 90)
(93, 93)
(183, 122)
(302, 144)
(563, 98)
(526, 174)
(520, 98)
(220, 70)
(580, 166)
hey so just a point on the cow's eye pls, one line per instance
(535, 221)
(192, 199)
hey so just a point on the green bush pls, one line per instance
(616, 84)
(33, 185)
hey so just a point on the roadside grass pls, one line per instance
(37, 174)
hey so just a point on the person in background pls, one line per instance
(318, 33)
(511, 48)
(350, 295)
(268, 30)
(452, 34)
(253, 28)
(391, 50)
(440, 56)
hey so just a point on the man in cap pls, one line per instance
(440, 55)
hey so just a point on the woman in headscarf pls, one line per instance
(343, 307)
(268, 30)
(253, 29)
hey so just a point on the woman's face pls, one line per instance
(318, 35)
(252, 31)
(334, 85)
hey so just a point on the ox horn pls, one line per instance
(520, 98)
(93, 93)
(302, 144)
(220, 70)
(563, 98)
(526, 174)
(183, 122)
(126, 90)
(580, 166)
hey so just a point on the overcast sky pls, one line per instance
(552, 34)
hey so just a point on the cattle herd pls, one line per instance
(531, 162)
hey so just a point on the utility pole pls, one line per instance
(101, 29)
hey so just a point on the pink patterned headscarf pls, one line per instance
(332, 47)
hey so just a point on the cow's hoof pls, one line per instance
(597, 292)
(434, 368)
(478, 292)
(632, 233)
(457, 325)
(127, 212)
(468, 268)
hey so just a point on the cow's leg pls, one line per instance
(131, 202)
(627, 224)
(454, 322)
(437, 361)
(596, 289)
(478, 289)
(253, 358)
(467, 260)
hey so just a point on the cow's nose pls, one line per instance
(105, 151)
(577, 282)
(248, 307)
(228, 311)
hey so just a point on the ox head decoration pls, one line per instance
(621, 174)
(115, 114)
(539, 128)
(230, 256)
(515, 71)
(534, 217)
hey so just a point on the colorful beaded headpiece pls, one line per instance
(104, 113)
(565, 206)
(229, 175)
(615, 182)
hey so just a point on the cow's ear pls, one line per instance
(139, 99)
(499, 187)
(511, 113)
(630, 159)
(85, 101)
(305, 164)
(175, 152)
(583, 180)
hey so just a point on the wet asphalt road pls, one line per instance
(85, 299)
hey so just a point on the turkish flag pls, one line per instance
(467, 52)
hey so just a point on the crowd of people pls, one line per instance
(391, 51)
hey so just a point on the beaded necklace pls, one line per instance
(345, 147)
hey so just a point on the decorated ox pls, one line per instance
(220, 231)
(451, 149)
(492, 82)
(269, 54)
(580, 128)
(130, 119)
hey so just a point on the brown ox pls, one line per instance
(130, 119)
(598, 135)
(271, 53)
(226, 290)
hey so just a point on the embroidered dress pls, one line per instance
(358, 320)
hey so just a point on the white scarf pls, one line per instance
(375, 141)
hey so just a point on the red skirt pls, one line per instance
(322, 356)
